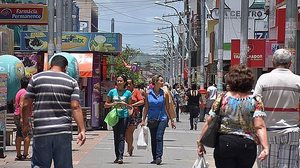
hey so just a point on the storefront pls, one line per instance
(93, 52)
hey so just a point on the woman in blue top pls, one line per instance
(120, 98)
(157, 109)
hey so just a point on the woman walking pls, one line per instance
(157, 109)
(120, 98)
(242, 124)
(134, 119)
(194, 102)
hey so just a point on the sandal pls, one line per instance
(26, 158)
(19, 158)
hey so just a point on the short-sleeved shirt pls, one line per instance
(126, 95)
(156, 106)
(52, 93)
(19, 94)
(280, 92)
(238, 114)
(212, 93)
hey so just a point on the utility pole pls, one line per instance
(202, 23)
(244, 32)
(188, 40)
(112, 27)
(59, 24)
(69, 19)
(182, 44)
(220, 46)
(290, 31)
(51, 46)
(173, 76)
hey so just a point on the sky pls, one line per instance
(134, 19)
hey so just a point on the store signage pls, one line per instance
(74, 41)
(256, 53)
(236, 14)
(29, 14)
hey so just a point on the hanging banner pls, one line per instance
(74, 41)
(256, 53)
(20, 14)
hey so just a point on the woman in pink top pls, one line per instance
(18, 117)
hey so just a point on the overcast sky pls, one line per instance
(134, 19)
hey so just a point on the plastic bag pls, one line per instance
(200, 163)
(142, 141)
(112, 117)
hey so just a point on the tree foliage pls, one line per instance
(127, 55)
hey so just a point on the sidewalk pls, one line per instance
(93, 138)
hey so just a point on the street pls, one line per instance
(98, 151)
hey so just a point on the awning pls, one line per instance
(85, 62)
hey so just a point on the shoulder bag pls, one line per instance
(210, 137)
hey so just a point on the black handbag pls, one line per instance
(153, 123)
(210, 137)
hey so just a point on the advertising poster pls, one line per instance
(271, 47)
(3, 95)
(74, 41)
(32, 63)
(256, 53)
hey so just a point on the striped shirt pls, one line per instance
(280, 91)
(52, 93)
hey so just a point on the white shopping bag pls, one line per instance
(142, 141)
(200, 163)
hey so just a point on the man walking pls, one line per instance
(56, 97)
(211, 96)
(280, 91)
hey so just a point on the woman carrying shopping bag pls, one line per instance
(120, 98)
(134, 119)
(157, 109)
(242, 124)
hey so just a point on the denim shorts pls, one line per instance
(52, 147)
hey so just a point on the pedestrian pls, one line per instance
(183, 102)
(56, 98)
(194, 101)
(280, 92)
(120, 98)
(18, 122)
(134, 119)
(176, 97)
(211, 96)
(242, 123)
(157, 110)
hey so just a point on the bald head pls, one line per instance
(282, 58)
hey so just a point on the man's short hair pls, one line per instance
(282, 57)
(59, 60)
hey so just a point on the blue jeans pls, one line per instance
(157, 137)
(119, 137)
(56, 147)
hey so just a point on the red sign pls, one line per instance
(26, 14)
(256, 53)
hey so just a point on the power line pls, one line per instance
(126, 14)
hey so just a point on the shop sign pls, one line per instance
(29, 14)
(271, 47)
(256, 53)
(74, 41)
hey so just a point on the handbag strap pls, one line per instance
(220, 105)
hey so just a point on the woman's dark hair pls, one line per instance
(130, 78)
(175, 85)
(240, 79)
(194, 86)
(124, 77)
(24, 82)
(60, 61)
